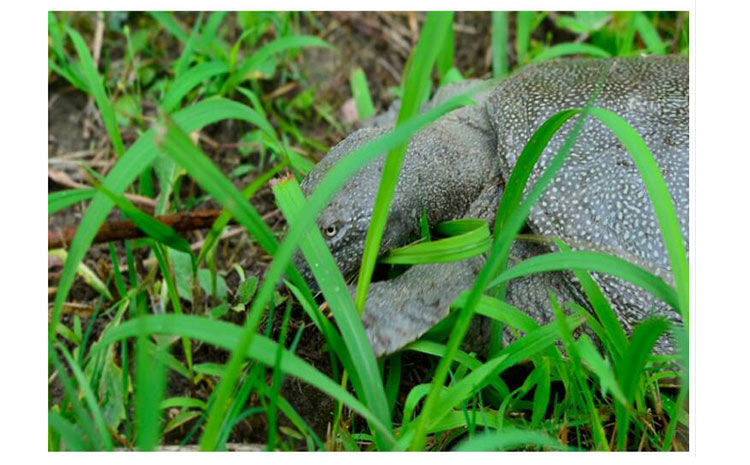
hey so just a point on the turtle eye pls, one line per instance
(331, 230)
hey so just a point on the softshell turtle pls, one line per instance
(456, 167)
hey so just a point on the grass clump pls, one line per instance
(237, 347)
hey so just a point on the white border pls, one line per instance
(718, 240)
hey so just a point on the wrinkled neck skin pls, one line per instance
(446, 166)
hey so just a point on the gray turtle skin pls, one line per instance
(456, 167)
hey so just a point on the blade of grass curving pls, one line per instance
(179, 147)
(148, 224)
(329, 185)
(56, 201)
(566, 337)
(541, 397)
(650, 36)
(516, 183)
(167, 20)
(188, 80)
(290, 199)
(499, 44)
(416, 89)
(561, 50)
(600, 366)
(85, 421)
(227, 336)
(438, 350)
(499, 310)
(222, 221)
(467, 238)
(660, 199)
(592, 261)
(139, 156)
(495, 261)
(64, 69)
(361, 94)
(246, 68)
(181, 65)
(615, 338)
(508, 438)
(96, 87)
(630, 372)
(535, 342)
(642, 341)
(88, 395)
(277, 373)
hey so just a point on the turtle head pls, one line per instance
(345, 220)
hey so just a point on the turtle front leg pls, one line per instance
(400, 310)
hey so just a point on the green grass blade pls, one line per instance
(467, 238)
(524, 21)
(533, 343)
(541, 393)
(170, 24)
(650, 36)
(629, 372)
(68, 432)
(226, 336)
(446, 54)
(499, 43)
(150, 384)
(149, 225)
(179, 147)
(508, 438)
(86, 273)
(188, 80)
(416, 89)
(181, 65)
(615, 336)
(592, 261)
(561, 50)
(139, 156)
(56, 201)
(468, 361)
(660, 199)
(222, 221)
(252, 63)
(290, 199)
(566, 337)
(96, 87)
(88, 395)
(642, 341)
(361, 94)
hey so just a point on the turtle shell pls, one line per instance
(597, 200)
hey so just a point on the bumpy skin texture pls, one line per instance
(455, 168)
